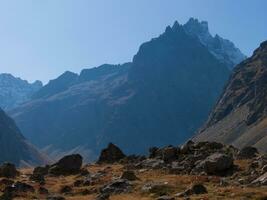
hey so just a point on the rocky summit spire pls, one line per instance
(176, 25)
(222, 49)
(195, 26)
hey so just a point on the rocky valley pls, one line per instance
(185, 119)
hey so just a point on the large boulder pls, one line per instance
(111, 154)
(247, 153)
(67, 165)
(217, 164)
(168, 154)
(8, 170)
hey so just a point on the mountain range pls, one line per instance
(15, 91)
(162, 97)
(240, 116)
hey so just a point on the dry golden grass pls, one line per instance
(176, 184)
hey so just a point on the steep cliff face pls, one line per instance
(15, 91)
(160, 98)
(239, 117)
(14, 147)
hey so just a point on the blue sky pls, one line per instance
(42, 39)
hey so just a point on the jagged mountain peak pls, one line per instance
(176, 25)
(221, 48)
(197, 26)
(15, 91)
(10, 77)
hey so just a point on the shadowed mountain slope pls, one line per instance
(239, 117)
(14, 147)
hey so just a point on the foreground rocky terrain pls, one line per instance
(205, 170)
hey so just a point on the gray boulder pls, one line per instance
(217, 164)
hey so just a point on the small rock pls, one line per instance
(129, 175)
(159, 189)
(78, 183)
(116, 187)
(152, 163)
(84, 172)
(56, 197)
(39, 178)
(104, 196)
(195, 189)
(41, 170)
(247, 153)
(166, 198)
(65, 189)
(43, 191)
(23, 187)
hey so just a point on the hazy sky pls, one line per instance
(40, 39)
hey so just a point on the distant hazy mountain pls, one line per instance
(224, 50)
(160, 98)
(14, 147)
(240, 116)
(14, 91)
